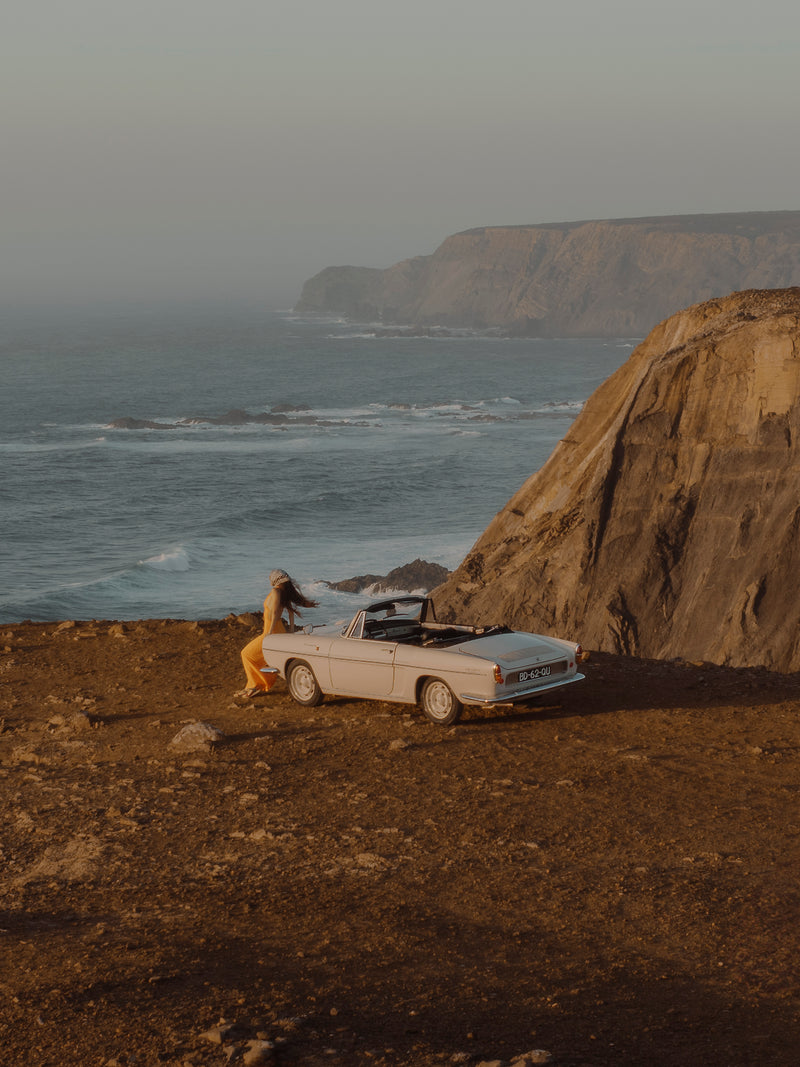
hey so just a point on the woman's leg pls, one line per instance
(252, 661)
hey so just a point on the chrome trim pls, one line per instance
(512, 698)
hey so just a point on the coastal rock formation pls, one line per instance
(605, 278)
(666, 523)
(410, 578)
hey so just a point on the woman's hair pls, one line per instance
(291, 597)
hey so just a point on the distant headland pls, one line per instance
(612, 278)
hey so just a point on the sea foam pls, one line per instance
(176, 559)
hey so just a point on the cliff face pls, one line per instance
(613, 278)
(667, 523)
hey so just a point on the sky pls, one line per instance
(200, 150)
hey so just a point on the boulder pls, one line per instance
(197, 736)
(419, 576)
(667, 522)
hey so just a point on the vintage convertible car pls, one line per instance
(396, 650)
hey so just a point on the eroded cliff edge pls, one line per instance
(593, 279)
(667, 523)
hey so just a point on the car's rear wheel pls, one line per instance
(303, 685)
(439, 703)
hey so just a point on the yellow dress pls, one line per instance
(253, 658)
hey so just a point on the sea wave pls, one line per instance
(359, 417)
(132, 591)
(61, 445)
(560, 407)
(300, 434)
(314, 416)
(176, 559)
(311, 319)
(379, 331)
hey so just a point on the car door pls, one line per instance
(362, 667)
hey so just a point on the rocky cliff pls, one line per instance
(609, 278)
(667, 523)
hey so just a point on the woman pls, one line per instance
(283, 596)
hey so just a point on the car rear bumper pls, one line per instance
(520, 694)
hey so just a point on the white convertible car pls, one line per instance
(396, 650)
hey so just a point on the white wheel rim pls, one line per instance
(303, 684)
(438, 700)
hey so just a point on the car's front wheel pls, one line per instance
(439, 703)
(303, 685)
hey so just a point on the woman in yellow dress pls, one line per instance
(283, 596)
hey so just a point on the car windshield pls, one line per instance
(388, 617)
(408, 611)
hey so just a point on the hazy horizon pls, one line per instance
(175, 152)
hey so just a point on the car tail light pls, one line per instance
(498, 674)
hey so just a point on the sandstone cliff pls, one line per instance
(667, 522)
(611, 278)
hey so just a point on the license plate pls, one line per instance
(536, 674)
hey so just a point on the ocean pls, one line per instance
(371, 451)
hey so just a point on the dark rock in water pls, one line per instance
(410, 578)
(357, 584)
(667, 522)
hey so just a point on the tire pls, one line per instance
(303, 686)
(439, 703)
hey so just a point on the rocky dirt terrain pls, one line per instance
(605, 878)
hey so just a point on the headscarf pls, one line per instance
(278, 577)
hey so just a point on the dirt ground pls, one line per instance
(610, 876)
